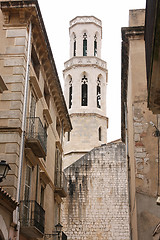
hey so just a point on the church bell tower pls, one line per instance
(85, 78)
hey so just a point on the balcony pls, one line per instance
(60, 184)
(32, 217)
(36, 136)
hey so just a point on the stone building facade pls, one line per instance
(97, 204)
(138, 131)
(33, 120)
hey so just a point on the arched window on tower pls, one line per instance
(95, 46)
(70, 93)
(84, 44)
(98, 93)
(74, 46)
(84, 91)
(100, 134)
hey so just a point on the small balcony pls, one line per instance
(60, 184)
(32, 219)
(36, 136)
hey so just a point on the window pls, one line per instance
(27, 192)
(95, 46)
(58, 126)
(70, 93)
(58, 160)
(69, 136)
(84, 44)
(27, 189)
(100, 134)
(35, 62)
(46, 95)
(42, 196)
(74, 46)
(32, 114)
(58, 168)
(98, 93)
(32, 111)
(84, 91)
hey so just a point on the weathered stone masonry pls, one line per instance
(97, 203)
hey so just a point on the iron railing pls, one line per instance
(32, 215)
(35, 130)
(60, 181)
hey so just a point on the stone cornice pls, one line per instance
(11, 129)
(85, 19)
(89, 115)
(130, 32)
(85, 62)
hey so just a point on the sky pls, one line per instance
(114, 15)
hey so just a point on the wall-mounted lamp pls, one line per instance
(58, 229)
(58, 232)
(4, 168)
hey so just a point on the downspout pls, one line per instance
(23, 121)
(128, 167)
(158, 157)
(37, 180)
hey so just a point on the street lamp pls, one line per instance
(58, 229)
(4, 168)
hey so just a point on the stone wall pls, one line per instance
(97, 203)
(12, 67)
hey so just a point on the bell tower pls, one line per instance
(85, 78)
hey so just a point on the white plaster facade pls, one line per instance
(87, 120)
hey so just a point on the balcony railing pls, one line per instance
(36, 136)
(60, 183)
(32, 219)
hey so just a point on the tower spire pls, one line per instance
(85, 77)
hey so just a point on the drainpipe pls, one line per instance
(62, 134)
(37, 179)
(128, 167)
(23, 121)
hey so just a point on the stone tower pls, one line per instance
(85, 77)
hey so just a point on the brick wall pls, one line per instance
(97, 203)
